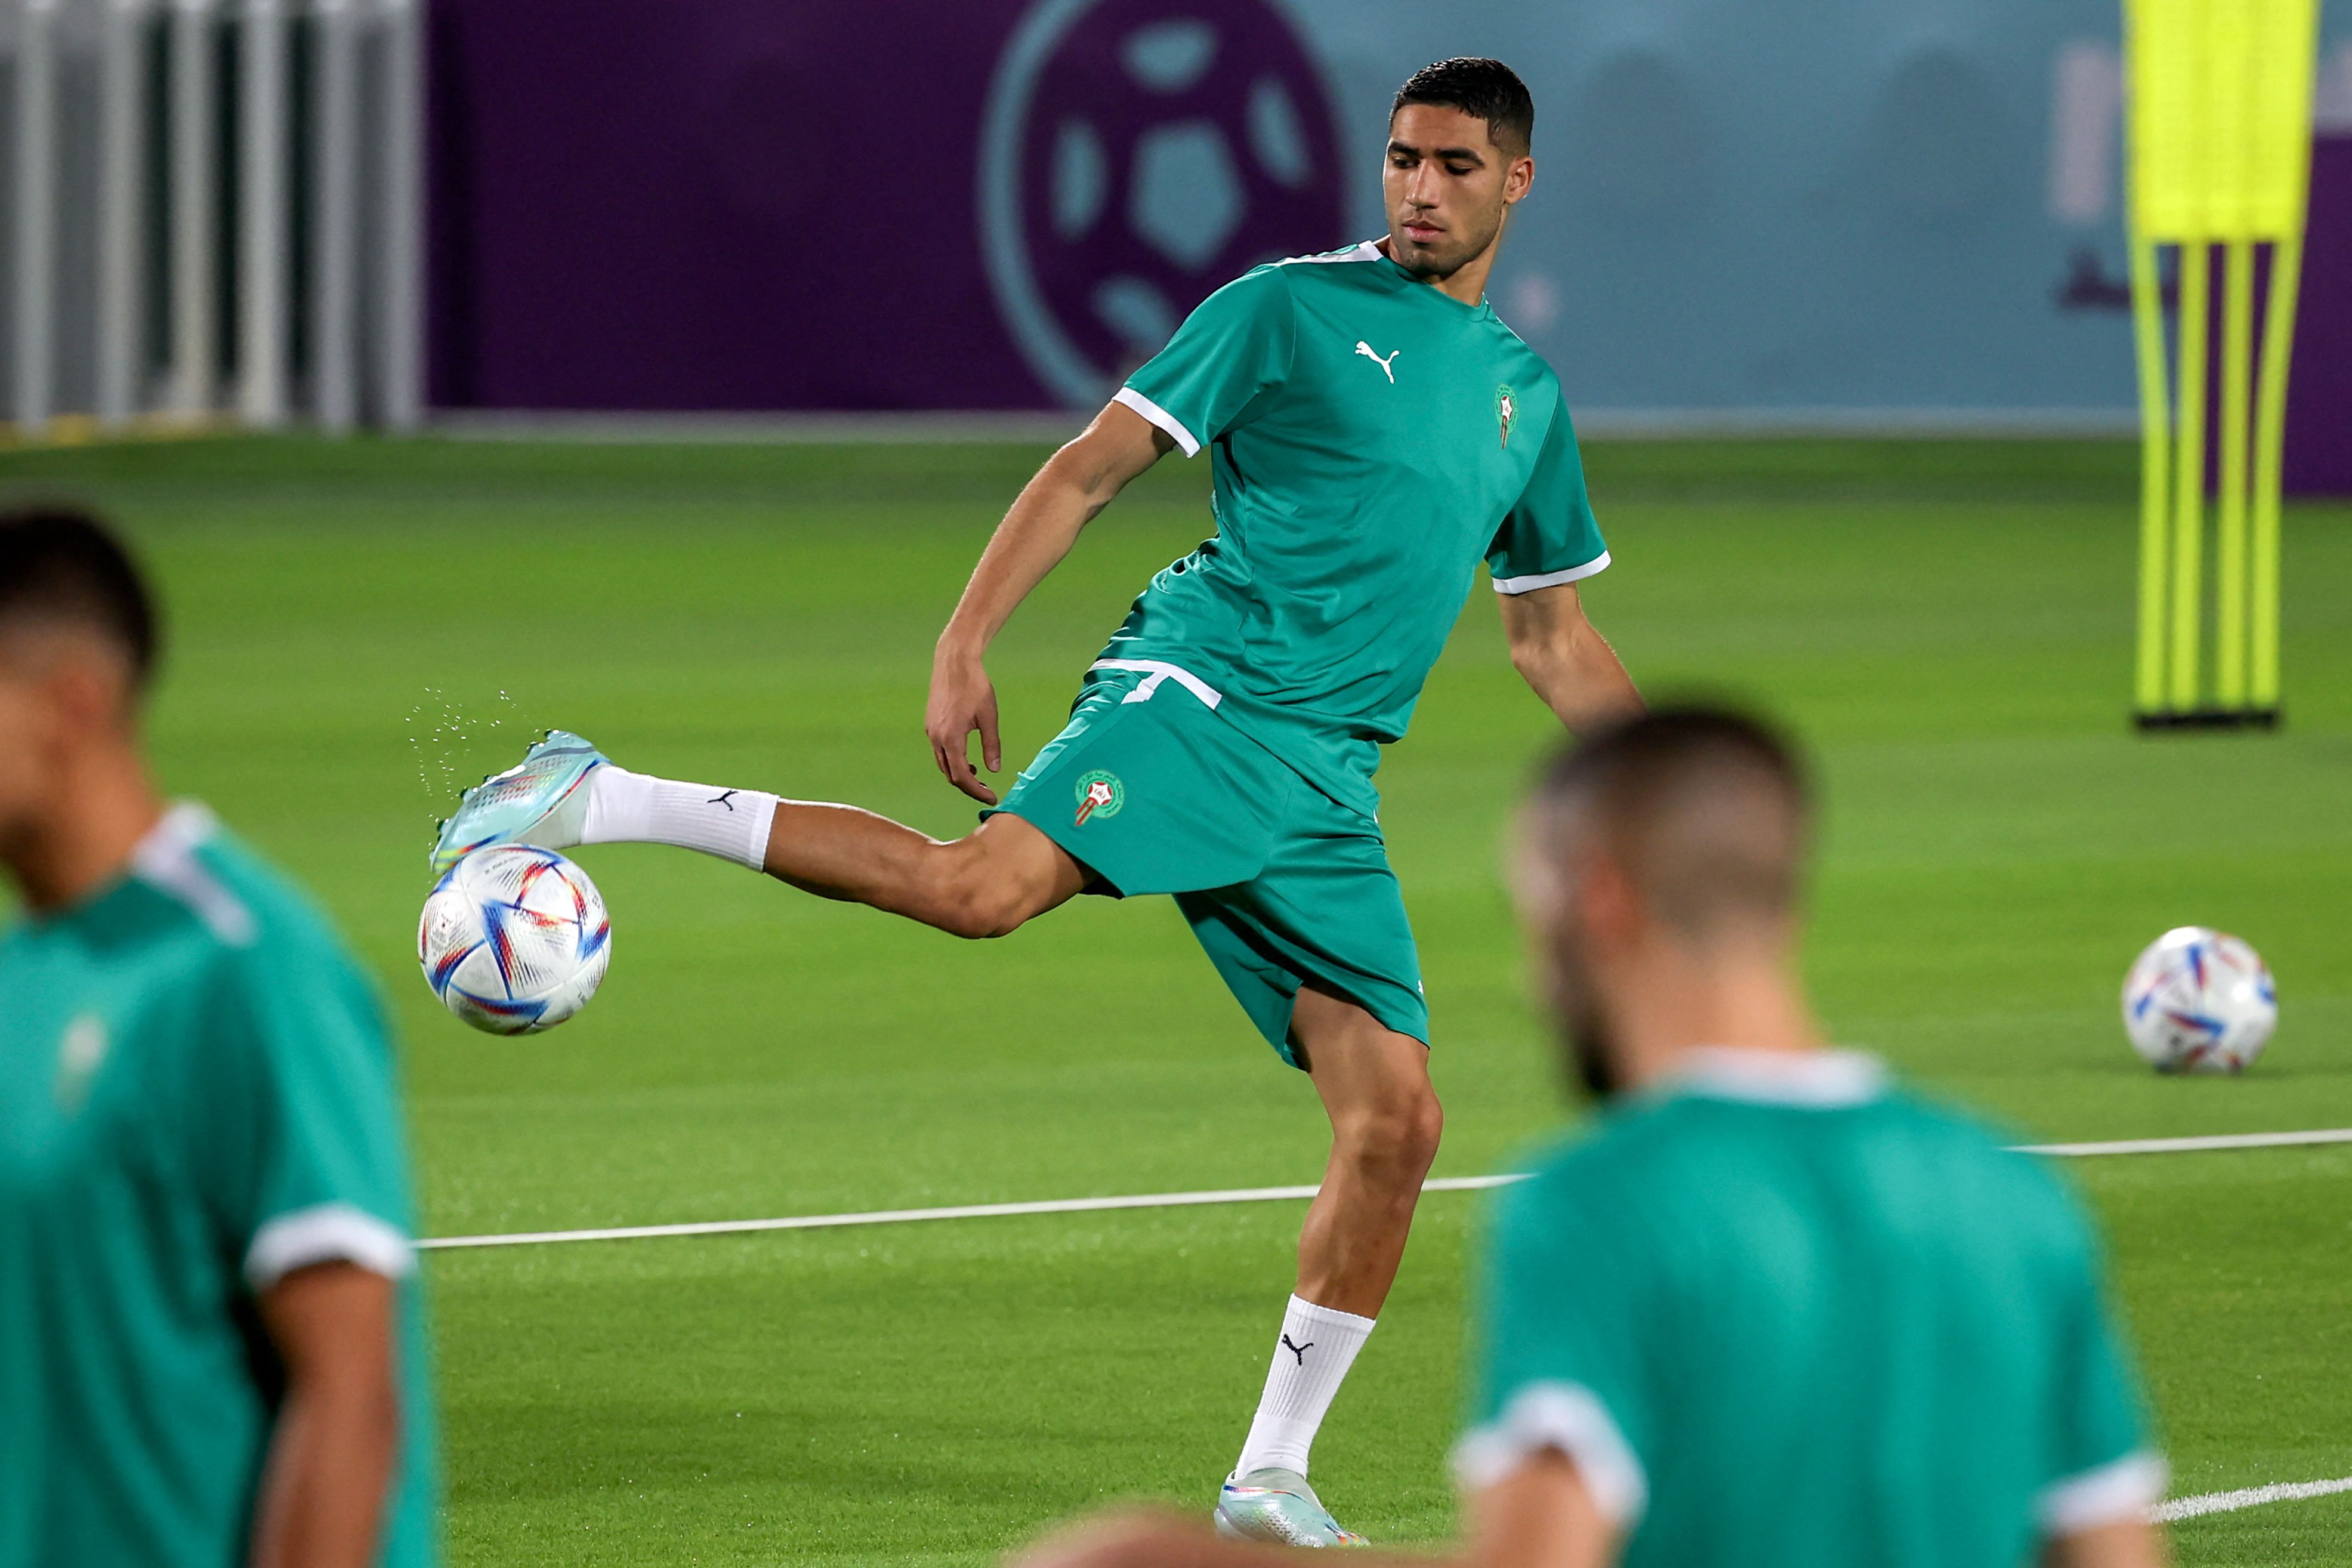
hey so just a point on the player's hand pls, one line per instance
(1129, 1539)
(963, 700)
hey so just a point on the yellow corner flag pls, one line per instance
(2221, 154)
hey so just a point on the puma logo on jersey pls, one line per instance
(1365, 349)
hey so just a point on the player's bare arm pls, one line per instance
(2127, 1543)
(321, 1500)
(1038, 529)
(1564, 659)
(1539, 1516)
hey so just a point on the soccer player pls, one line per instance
(1375, 432)
(212, 1352)
(1770, 1311)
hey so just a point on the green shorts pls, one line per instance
(1152, 792)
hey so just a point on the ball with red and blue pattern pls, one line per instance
(514, 939)
(2200, 1000)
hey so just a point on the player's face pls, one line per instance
(28, 743)
(1550, 895)
(1446, 187)
(60, 692)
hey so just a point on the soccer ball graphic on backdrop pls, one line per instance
(1135, 154)
(2200, 1001)
(514, 939)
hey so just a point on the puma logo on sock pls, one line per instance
(725, 800)
(1298, 1351)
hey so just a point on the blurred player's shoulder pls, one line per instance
(1725, 1135)
(221, 883)
(227, 907)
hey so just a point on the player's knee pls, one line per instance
(1419, 1127)
(1398, 1130)
(978, 913)
(977, 901)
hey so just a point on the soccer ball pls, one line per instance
(514, 939)
(2200, 1001)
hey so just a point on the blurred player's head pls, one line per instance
(78, 645)
(1458, 138)
(1661, 869)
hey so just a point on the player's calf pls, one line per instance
(1381, 1150)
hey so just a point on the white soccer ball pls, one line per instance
(2200, 1001)
(514, 939)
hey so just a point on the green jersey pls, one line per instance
(1372, 440)
(1782, 1316)
(196, 1098)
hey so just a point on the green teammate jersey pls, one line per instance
(196, 1098)
(1372, 440)
(1782, 1316)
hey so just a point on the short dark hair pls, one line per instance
(1484, 89)
(60, 563)
(1707, 809)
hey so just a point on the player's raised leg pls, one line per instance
(1385, 1124)
(565, 793)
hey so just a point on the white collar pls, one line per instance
(1818, 1081)
(180, 829)
(166, 860)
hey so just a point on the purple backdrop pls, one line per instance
(680, 205)
(2319, 379)
(738, 205)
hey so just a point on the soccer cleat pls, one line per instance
(538, 802)
(1277, 1505)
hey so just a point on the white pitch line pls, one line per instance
(1257, 1195)
(963, 1211)
(2195, 1146)
(2251, 1497)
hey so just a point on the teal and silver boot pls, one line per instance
(1277, 1505)
(538, 802)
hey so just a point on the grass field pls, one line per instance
(1947, 624)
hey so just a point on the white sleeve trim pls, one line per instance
(2116, 1491)
(1598, 564)
(327, 1233)
(1159, 416)
(1568, 1418)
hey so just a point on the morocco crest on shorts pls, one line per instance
(1099, 795)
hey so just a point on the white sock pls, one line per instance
(1318, 1346)
(633, 808)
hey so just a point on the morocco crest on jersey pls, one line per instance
(1099, 795)
(1506, 411)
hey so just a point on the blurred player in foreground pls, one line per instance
(1377, 433)
(212, 1351)
(1770, 1311)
